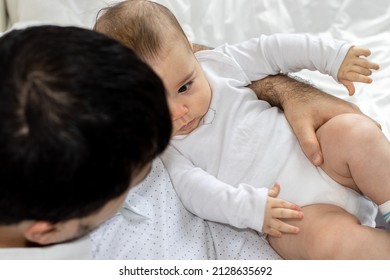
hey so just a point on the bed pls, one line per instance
(153, 223)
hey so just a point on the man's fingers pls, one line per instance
(309, 143)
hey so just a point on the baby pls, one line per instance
(229, 149)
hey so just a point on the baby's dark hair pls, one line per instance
(144, 26)
(80, 115)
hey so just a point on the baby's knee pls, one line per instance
(329, 231)
(347, 127)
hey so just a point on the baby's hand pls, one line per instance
(277, 209)
(356, 68)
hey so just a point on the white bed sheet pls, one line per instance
(217, 21)
(3, 16)
(360, 22)
(154, 224)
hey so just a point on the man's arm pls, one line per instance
(306, 108)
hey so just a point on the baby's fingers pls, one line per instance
(283, 213)
(273, 232)
(356, 77)
(359, 51)
(277, 228)
(276, 204)
(285, 228)
(350, 87)
(274, 190)
(360, 71)
(366, 64)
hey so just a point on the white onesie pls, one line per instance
(223, 169)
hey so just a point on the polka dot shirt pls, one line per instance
(154, 225)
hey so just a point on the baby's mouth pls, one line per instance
(187, 126)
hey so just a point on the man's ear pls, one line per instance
(42, 232)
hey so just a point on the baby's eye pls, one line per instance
(184, 88)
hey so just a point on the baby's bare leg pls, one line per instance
(357, 155)
(329, 232)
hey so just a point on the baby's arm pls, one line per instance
(285, 53)
(242, 207)
(355, 68)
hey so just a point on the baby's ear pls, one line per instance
(41, 232)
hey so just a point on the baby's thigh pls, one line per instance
(321, 231)
(339, 139)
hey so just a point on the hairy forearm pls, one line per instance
(292, 94)
(278, 90)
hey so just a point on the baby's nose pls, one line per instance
(178, 110)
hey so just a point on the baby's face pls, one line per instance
(189, 93)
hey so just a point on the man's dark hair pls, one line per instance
(80, 114)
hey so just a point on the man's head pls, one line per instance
(81, 119)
